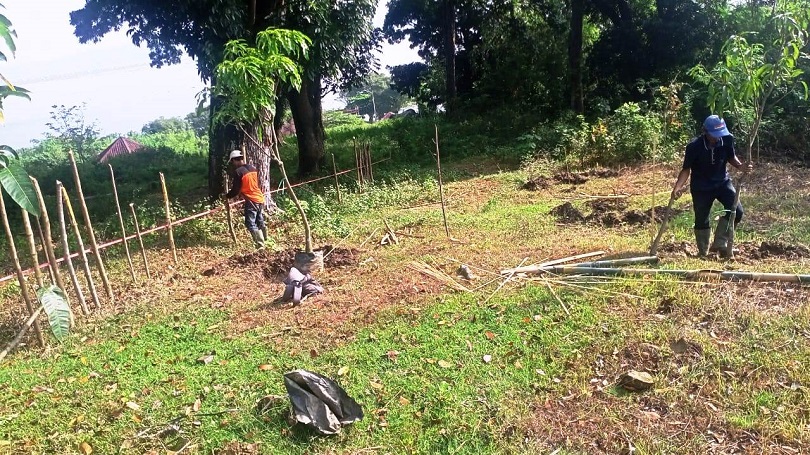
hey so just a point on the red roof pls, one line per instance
(119, 147)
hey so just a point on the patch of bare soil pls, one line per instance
(600, 423)
(608, 213)
(571, 178)
(608, 204)
(274, 264)
(568, 214)
(537, 184)
(578, 178)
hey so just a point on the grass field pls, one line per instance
(524, 366)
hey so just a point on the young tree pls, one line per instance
(13, 178)
(69, 127)
(374, 97)
(753, 76)
(248, 81)
(341, 52)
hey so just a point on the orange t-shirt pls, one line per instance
(246, 183)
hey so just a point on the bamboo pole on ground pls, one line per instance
(168, 216)
(42, 240)
(20, 277)
(121, 223)
(32, 247)
(615, 262)
(140, 240)
(441, 185)
(337, 182)
(228, 214)
(49, 245)
(32, 320)
(60, 208)
(691, 274)
(535, 267)
(88, 274)
(90, 232)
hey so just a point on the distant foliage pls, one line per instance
(333, 119)
(630, 134)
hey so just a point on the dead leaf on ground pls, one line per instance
(445, 364)
(206, 359)
(342, 371)
(85, 448)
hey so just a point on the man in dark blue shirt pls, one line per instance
(706, 158)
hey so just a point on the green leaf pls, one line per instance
(57, 308)
(17, 184)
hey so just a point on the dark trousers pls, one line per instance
(254, 216)
(703, 200)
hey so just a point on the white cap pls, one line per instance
(235, 154)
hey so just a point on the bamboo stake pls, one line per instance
(140, 240)
(663, 228)
(357, 166)
(168, 216)
(369, 162)
(228, 214)
(615, 262)
(121, 223)
(32, 248)
(722, 275)
(534, 268)
(441, 186)
(337, 182)
(32, 320)
(88, 274)
(60, 208)
(20, 277)
(89, 225)
(49, 245)
(42, 240)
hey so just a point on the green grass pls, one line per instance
(420, 379)
(418, 369)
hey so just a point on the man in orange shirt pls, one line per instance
(246, 183)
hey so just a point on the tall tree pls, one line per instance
(200, 28)
(575, 56)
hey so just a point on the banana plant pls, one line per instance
(13, 178)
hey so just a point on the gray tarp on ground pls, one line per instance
(319, 402)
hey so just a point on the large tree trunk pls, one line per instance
(305, 105)
(575, 56)
(450, 52)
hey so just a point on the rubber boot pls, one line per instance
(258, 239)
(703, 237)
(721, 235)
(264, 233)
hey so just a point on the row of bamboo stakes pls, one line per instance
(67, 217)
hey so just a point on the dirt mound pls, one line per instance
(772, 249)
(607, 204)
(537, 184)
(578, 178)
(567, 213)
(608, 212)
(340, 257)
(571, 177)
(276, 263)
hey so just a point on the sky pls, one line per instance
(111, 78)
